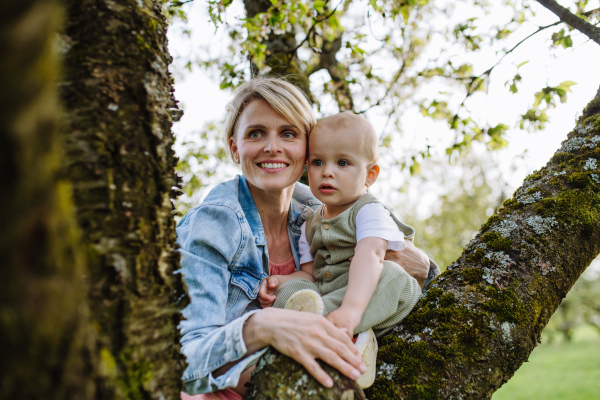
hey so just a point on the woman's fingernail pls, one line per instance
(355, 374)
(362, 368)
(329, 382)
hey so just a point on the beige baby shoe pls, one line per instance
(367, 345)
(306, 300)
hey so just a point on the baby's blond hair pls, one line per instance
(349, 120)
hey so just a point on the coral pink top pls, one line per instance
(285, 268)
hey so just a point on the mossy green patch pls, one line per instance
(561, 157)
(406, 361)
(490, 221)
(138, 373)
(505, 304)
(496, 241)
(535, 175)
(579, 180)
(476, 255)
(472, 276)
(580, 207)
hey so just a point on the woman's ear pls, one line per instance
(234, 150)
(372, 175)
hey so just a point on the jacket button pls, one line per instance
(326, 226)
(331, 247)
(327, 275)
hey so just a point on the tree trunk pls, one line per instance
(45, 338)
(481, 318)
(117, 140)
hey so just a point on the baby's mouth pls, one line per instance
(272, 165)
(326, 186)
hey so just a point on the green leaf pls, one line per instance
(566, 86)
(523, 63)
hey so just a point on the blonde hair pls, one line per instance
(349, 120)
(284, 97)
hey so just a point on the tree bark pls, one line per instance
(117, 139)
(45, 340)
(481, 318)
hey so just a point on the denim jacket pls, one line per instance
(224, 259)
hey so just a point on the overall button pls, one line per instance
(326, 226)
(331, 247)
(327, 275)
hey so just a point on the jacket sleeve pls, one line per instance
(210, 237)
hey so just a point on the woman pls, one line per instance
(243, 230)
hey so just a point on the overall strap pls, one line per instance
(407, 230)
(313, 223)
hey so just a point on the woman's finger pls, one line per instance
(342, 336)
(313, 368)
(337, 362)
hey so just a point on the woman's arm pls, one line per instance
(414, 261)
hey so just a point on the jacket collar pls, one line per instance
(251, 213)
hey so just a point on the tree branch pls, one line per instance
(573, 20)
(482, 317)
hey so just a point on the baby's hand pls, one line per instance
(345, 318)
(265, 293)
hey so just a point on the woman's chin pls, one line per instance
(273, 181)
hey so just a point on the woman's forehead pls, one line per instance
(259, 112)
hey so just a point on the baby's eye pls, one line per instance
(343, 163)
(317, 162)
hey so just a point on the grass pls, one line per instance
(558, 371)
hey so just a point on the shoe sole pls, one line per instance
(367, 345)
(306, 300)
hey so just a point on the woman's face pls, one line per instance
(270, 149)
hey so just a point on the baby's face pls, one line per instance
(337, 165)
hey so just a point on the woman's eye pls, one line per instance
(343, 163)
(254, 135)
(289, 135)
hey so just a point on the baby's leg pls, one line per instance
(287, 289)
(395, 296)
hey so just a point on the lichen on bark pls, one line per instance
(481, 318)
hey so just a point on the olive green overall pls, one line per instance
(332, 242)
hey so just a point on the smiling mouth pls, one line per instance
(272, 165)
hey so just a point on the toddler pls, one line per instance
(342, 247)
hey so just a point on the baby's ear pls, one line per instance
(372, 174)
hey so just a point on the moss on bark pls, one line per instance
(117, 143)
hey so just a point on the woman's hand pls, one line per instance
(304, 337)
(267, 288)
(414, 261)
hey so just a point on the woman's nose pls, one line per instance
(272, 145)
